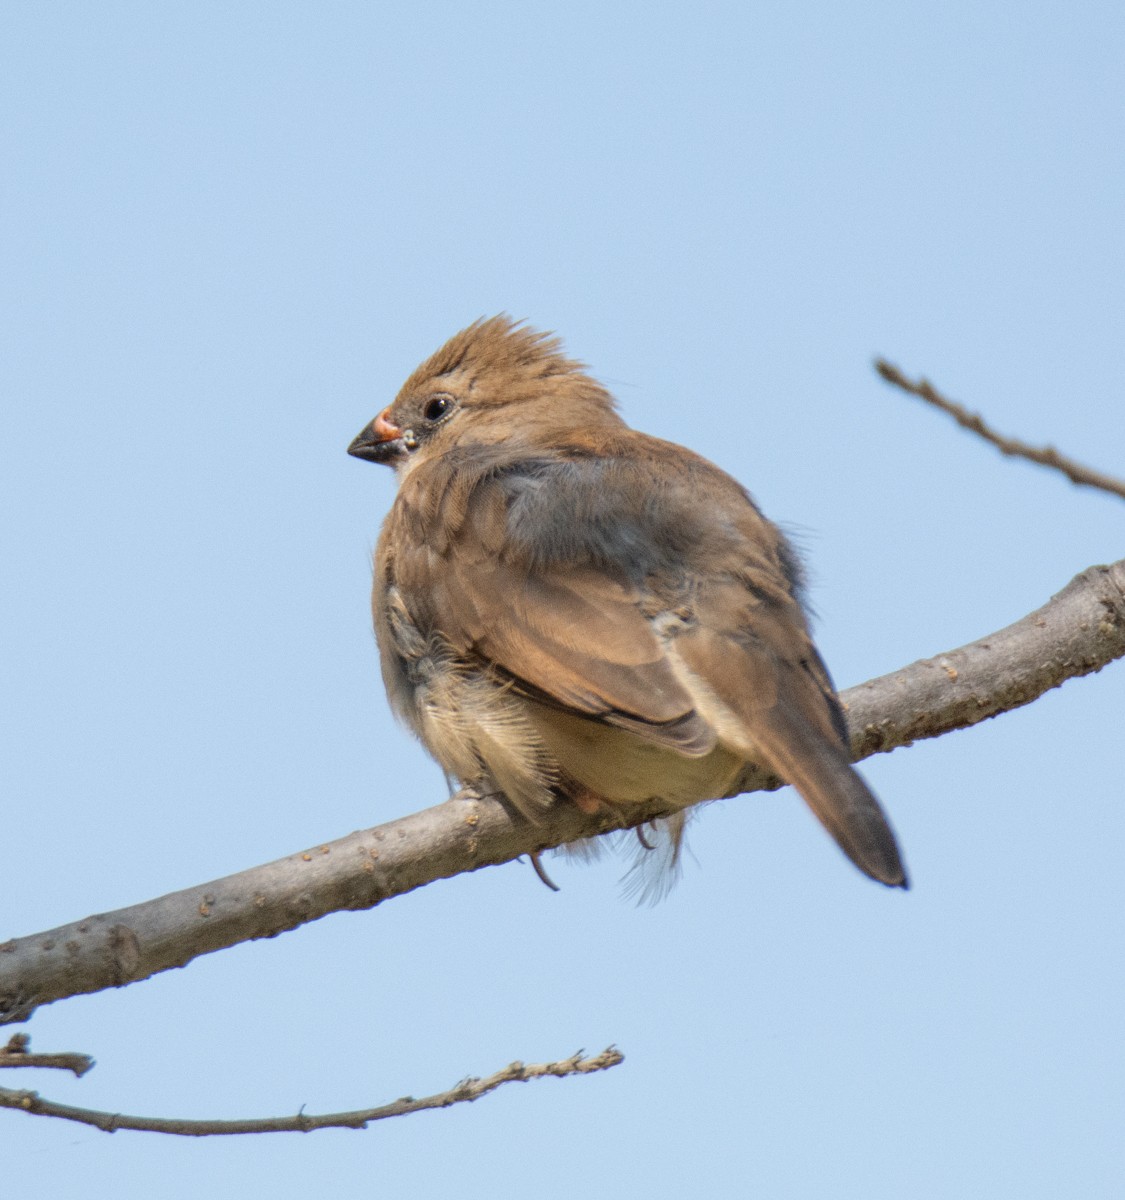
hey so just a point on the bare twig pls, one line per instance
(467, 1090)
(1078, 631)
(17, 1054)
(1046, 456)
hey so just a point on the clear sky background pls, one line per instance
(229, 232)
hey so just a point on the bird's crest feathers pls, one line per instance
(523, 361)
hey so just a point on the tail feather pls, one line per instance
(839, 798)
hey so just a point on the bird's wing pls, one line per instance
(573, 638)
(572, 633)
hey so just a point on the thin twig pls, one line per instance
(466, 1091)
(1076, 632)
(1046, 456)
(17, 1054)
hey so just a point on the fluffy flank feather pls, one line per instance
(658, 861)
(477, 729)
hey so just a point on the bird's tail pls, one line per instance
(839, 798)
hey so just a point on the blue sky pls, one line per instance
(229, 233)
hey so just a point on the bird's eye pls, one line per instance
(437, 407)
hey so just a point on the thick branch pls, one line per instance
(1078, 631)
(1045, 456)
(466, 1091)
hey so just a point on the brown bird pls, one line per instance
(569, 609)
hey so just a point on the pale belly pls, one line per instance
(623, 768)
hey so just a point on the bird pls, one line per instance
(569, 610)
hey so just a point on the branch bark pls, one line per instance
(1078, 631)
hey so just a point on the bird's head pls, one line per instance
(496, 381)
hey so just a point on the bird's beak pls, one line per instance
(380, 442)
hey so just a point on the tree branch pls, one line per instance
(1078, 631)
(17, 1053)
(467, 1090)
(1046, 456)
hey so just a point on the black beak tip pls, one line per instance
(364, 445)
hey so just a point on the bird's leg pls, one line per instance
(541, 872)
